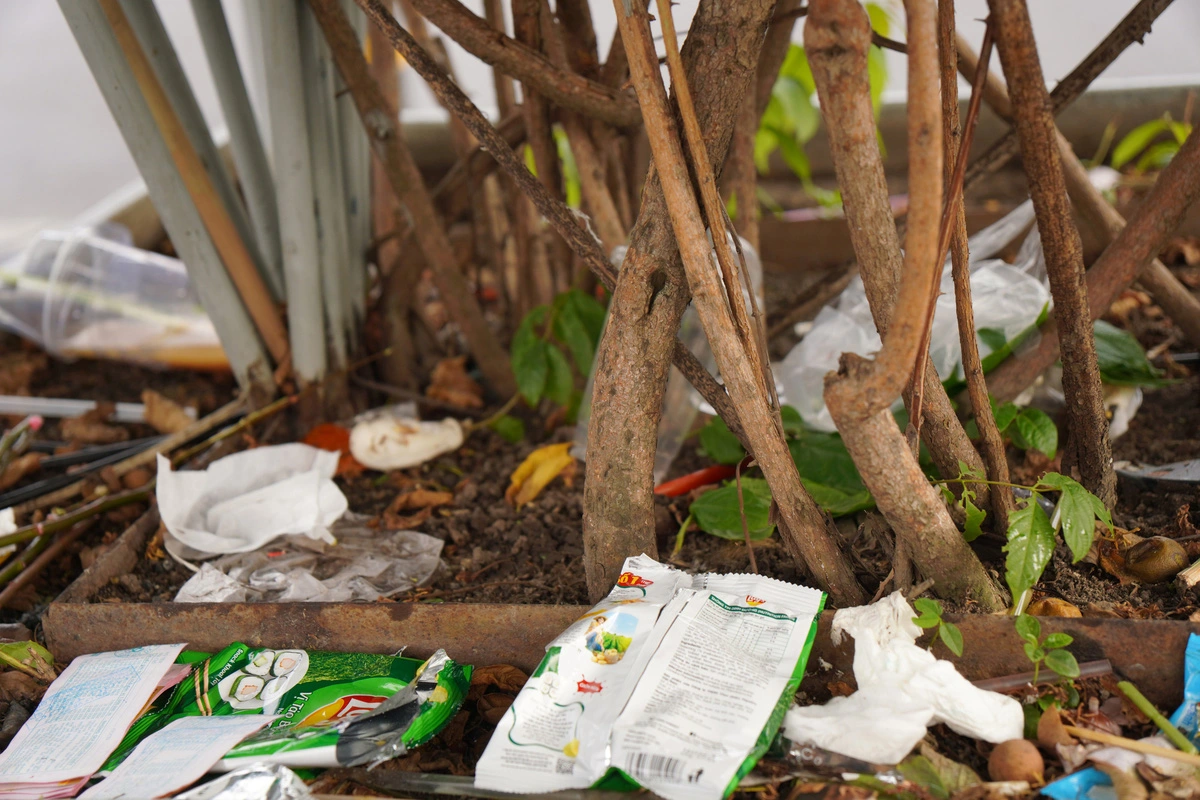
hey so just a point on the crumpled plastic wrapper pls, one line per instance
(244, 501)
(364, 565)
(255, 782)
(902, 688)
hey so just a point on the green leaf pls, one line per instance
(30, 658)
(718, 442)
(1062, 662)
(792, 421)
(1100, 510)
(972, 530)
(1157, 156)
(1005, 414)
(951, 637)
(569, 329)
(837, 502)
(572, 189)
(510, 428)
(967, 472)
(560, 383)
(1181, 131)
(794, 155)
(994, 338)
(926, 622)
(877, 74)
(1032, 429)
(795, 66)
(1030, 545)
(1033, 652)
(1076, 509)
(1057, 640)
(1138, 140)
(530, 365)
(1122, 360)
(927, 606)
(766, 141)
(1028, 628)
(717, 511)
(921, 771)
(590, 313)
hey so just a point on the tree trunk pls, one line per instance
(720, 54)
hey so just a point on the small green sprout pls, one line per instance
(1050, 651)
(931, 617)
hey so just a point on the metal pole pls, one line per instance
(294, 186)
(248, 153)
(165, 186)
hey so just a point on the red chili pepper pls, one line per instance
(695, 480)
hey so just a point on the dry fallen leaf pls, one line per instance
(535, 473)
(1050, 730)
(1053, 607)
(16, 685)
(1182, 248)
(420, 498)
(335, 438)
(164, 414)
(20, 467)
(91, 428)
(504, 677)
(451, 383)
(492, 707)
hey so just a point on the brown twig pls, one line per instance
(991, 445)
(1132, 28)
(737, 474)
(233, 251)
(809, 539)
(1061, 245)
(25, 573)
(522, 62)
(387, 143)
(557, 214)
(836, 36)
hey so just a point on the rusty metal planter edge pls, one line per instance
(1147, 652)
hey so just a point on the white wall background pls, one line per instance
(60, 152)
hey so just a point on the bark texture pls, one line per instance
(720, 54)
(837, 52)
(1061, 245)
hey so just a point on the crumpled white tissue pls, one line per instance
(902, 688)
(211, 585)
(243, 501)
(390, 440)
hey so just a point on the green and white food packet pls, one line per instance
(556, 732)
(330, 709)
(708, 673)
(714, 695)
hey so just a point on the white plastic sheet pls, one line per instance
(243, 501)
(1006, 297)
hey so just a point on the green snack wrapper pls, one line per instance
(333, 709)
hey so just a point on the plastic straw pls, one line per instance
(58, 407)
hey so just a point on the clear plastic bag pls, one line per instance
(364, 565)
(1007, 298)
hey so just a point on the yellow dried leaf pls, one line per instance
(535, 473)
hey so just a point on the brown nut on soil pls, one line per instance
(1016, 760)
(1053, 607)
(1156, 559)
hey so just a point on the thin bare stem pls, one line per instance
(992, 446)
(1060, 244)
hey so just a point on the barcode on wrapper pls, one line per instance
(646, 765)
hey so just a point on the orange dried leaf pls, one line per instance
(164, 414)
(451, 383)
(537, 471)
(335, 438)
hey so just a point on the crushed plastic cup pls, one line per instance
(89, 293)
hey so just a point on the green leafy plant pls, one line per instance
(548, 333)
(1050, 651)
(717, 512)
(1122, 360)
(792, 119)
(826, 469)
(930, 612)
(1146, 144)
(1027, 428)
(1032, 533)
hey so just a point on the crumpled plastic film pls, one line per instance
(255, 782)
(364, 565)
